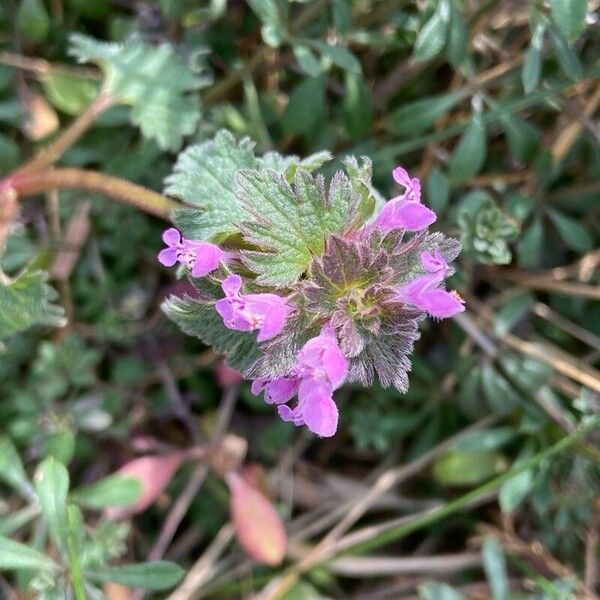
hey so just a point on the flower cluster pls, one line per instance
(352, 315)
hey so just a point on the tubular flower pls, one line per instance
(247, 312)
(405, 211)
(424, 291)
(320, 369)
(201, 258)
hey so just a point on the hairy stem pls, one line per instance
(51, 153)
(26, 184)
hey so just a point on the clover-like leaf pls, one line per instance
(27, 301)
(153, 80)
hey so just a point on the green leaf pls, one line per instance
(291, 223)
(522, 136)
(338, 55)
(152, 79)
(114, 490)
(574, 234)
(27, 301)
(204, 177)
(567, 59)
(14, 555)
(439, 591)
(532, 65)
(569, 16)
(514, 490)
(33, 21)
(306, 109)
(469, 156)
(489, 439)
(529, 247)
(438, 190)
(273, 31)
(494, 565)
(52, 486)
(457, 48)
(420, 115)
(17, 518)
(511, 312)
(158, 575)
(468, 468)
(308, 62)
(357, 106)
(12, 471)
(432, 38)
(69, 94)
(200, 319)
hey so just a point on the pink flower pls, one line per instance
(201, 258)
(247, 312)
(320, 369)
(424, 291)
(405, 211)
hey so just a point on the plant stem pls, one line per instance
(26, 184)
(423, 520)
(51, 153)
(458, 504)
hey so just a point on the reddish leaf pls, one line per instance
(257, 525)
(154, 473)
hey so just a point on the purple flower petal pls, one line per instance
(434, 262)
(321, 356)
(208, 258)
(232, 284)
(441, 304)
(171, 237)
(319, 411)
(290, 416)
(168, 257)
(274, 322)
(413, 216)
(401, 214)
(281, 390)
(412, 192)
(259, 385)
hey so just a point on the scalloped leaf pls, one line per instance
(291, 223)
(152, 79)
(27, 301)
(204, 178)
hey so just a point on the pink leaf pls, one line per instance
(154, 473)
(257, 525)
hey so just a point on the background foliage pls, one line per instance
(481, 481)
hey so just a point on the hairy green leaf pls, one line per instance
(290, 223)
(152, 79)
(27, 301)
(204, 177)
